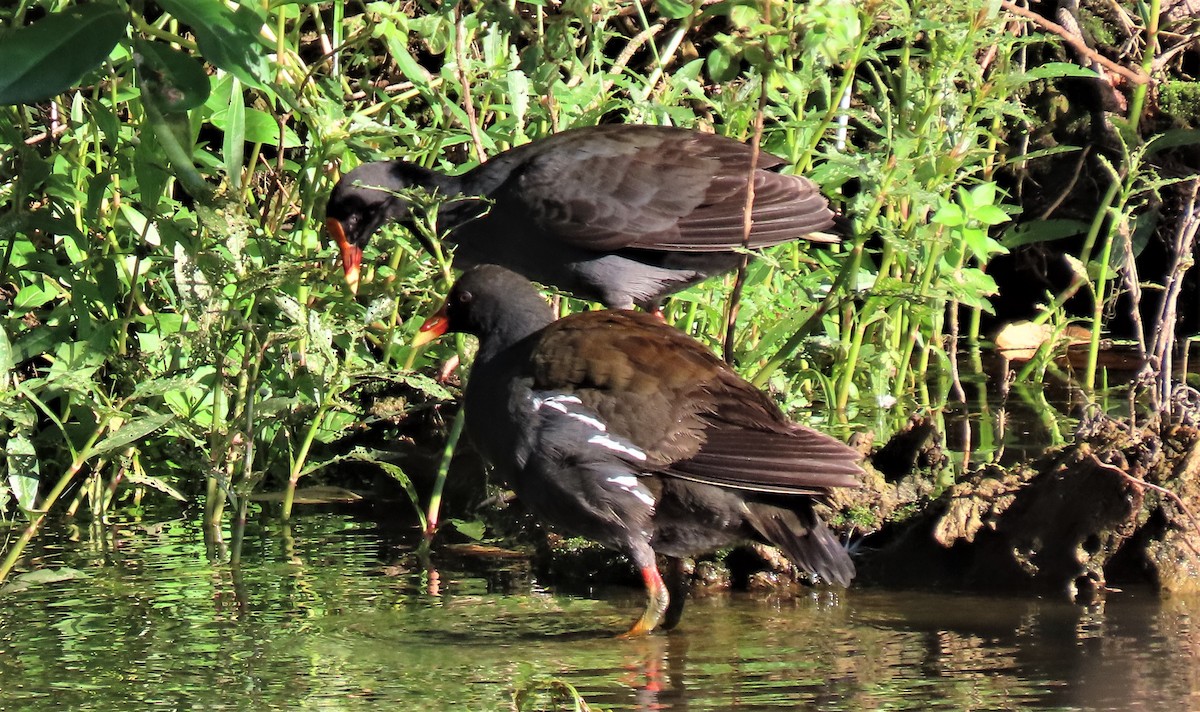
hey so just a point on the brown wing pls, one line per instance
(654, 187)
(693, 416)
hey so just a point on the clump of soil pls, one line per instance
(1113, 506)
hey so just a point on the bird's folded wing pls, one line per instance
(802, 461)
(650, 190)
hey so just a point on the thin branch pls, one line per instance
(460, 60)
(1139, 482)
(1136, 76)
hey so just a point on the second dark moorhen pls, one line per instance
(616, 427)
(620, 214)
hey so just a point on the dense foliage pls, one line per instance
(172, 318)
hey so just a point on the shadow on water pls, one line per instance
(326, 615)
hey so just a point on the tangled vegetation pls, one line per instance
(172, 319)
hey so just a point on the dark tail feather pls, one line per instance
(805, 540)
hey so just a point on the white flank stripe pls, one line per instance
(605, 441)
(630, 483)
(557, 403)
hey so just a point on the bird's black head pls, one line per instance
(495, 304)
(365, 199)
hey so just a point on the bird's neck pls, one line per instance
(511, 337)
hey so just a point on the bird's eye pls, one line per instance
(464, 297)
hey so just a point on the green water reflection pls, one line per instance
(327, 615)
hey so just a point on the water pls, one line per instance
(328, 615)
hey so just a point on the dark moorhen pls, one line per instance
(616, 427)
(622, 215)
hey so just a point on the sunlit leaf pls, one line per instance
(674, 9)
(24, 471)
(722, 64)
(1043, 231)
(131, 432)
(473, 529)
(141, 478)
(6, 360)
(227, 38)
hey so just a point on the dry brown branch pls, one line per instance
(460, 71)
(1137, 76)
(1139, 482)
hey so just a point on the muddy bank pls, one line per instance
(1114, 506)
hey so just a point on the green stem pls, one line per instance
(439, 483)
(289, 496)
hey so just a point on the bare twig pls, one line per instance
(1137, 76)
(735, 295)
(1139, 482)
(1162, 346)
(460, 71)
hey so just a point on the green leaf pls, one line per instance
(174, 79)
(742, 16)
(981, 195)
(1173, 139)
(6, 360)
(400, 476)
(675, 9)
(722, 64)
(1054, 70)
(32, 296)
(949, 215)
(132, 431)
(228, 39)
(260, 127)
(473, 529)
(49, 56)
(234, 142)
(24, 472)
(140, 478)
(409, 67)
(990, 215)
(1042, 231)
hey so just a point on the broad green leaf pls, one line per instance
(722, 64)
(160, 386)
(1042, 231)
(227, 38)
(260, 127)
(742, 16)
(981, 195)
(141, 478)
(473, 529)
(1054, 70)
(49, 56)
(1173, 139)
(675, 9)
(130, 432)
(149, 168)
(32, 296)
(990, 215)
(949, 215)
(175, 79)
(409, 66)
(234, 143)
(24, 471)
